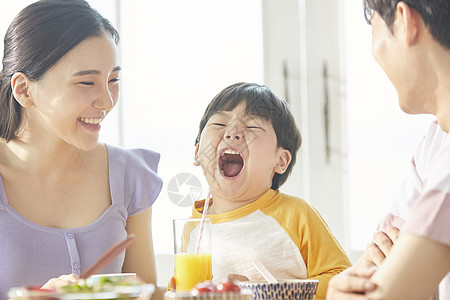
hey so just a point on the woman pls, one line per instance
(65, 198)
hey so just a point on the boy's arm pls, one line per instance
(323, 255)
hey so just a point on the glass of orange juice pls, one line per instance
(192, 252)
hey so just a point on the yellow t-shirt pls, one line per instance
(284, 232)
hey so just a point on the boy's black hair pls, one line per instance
(261, 102)
(435, 14)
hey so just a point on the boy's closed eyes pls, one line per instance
(252, 122)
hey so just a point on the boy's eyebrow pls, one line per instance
(222, 113)
(95, 72)
(245, 118)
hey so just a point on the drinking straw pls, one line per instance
(202, 222)
(264, 272)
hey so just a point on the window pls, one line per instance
(176, 56)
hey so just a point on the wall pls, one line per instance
(305, 37)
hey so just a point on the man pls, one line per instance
(411, 42)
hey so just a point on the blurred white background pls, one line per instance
(177, 55)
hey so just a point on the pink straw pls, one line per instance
(264, 272)
(202, 223)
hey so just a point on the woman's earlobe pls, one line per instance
(20, 85)
(196, 162)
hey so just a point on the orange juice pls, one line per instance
(191, 269)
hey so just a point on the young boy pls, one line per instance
(247, 145)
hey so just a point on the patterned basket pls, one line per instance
(284, 290)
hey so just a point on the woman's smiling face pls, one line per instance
(74, 96)
(238, 154)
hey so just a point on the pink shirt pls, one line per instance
(422, 206)
(31, 254)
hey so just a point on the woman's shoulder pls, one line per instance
(133, 157)
(133, 176)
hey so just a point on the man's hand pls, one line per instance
(382, 245)
(353, 283)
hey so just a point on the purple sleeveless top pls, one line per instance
(31, 254)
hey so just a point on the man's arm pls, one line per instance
(412, 270)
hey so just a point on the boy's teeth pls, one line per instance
(90, 121)
(230, 151)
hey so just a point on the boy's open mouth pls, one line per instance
(231, 163)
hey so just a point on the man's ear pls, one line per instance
(284, 159)
(410, 21)
(20, 85)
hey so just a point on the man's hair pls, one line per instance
(435, 14)
(260, 102)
